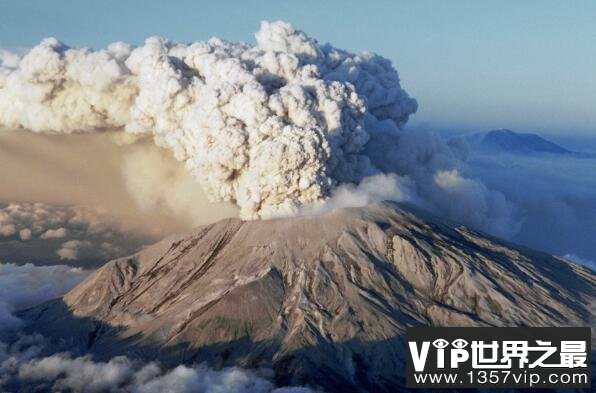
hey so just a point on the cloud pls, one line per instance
(79, 374)
(32, 232)
(45, 221)
(70, 249)
(25, 234)
(61, 372)
(23, 286)
(58, 233)
(269, 127)
(8, 229)
(183, 379)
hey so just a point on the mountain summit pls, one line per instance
(322, 300)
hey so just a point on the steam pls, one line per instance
(274, 128)
(371, 189)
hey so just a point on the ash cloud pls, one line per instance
(139, 188)
(272, 128)
(435, 175)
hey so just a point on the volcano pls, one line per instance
(322, 300)
(507, 141)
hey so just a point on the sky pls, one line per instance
(472, 65)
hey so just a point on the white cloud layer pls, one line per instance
(49, 222)
(61, 372)
(58, 233)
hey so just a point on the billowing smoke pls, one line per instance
(57, 89)
(272, 128)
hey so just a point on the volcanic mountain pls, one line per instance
(507, 141)
(322, 300)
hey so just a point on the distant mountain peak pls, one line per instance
(504, 140)
(503, 131)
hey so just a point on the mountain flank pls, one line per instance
(322, 300)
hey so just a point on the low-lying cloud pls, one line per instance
(43, 234)
(61, 372)
(23, 286)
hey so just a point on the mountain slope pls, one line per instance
(323, 300)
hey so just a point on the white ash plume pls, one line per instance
(270, 127)
(273, 128)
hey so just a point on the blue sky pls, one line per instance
(472, 65)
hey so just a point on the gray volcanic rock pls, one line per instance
(323, 300)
